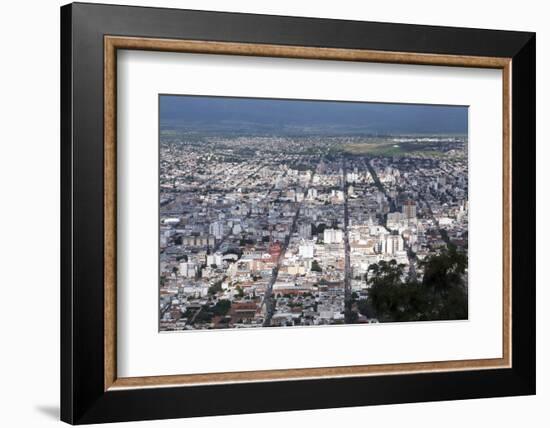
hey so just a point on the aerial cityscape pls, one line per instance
(281, 213)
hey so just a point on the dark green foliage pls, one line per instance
(203, 316)
(365, 308)
(444, 275)
(315, 267)
(318, 230)
(206, 313)
(215, 288)
(445, 270)
(350, 316)
(221, 307)
(442, 294)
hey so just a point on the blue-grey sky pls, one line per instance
(219, 114)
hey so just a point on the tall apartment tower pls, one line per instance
(409, 209)
(304, 230)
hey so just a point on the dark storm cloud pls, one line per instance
(277, 114)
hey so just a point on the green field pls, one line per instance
(392, 148)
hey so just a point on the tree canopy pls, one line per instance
(441, 295)
(315, 267)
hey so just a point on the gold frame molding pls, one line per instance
(113, 43)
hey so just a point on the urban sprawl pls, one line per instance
(282, 231)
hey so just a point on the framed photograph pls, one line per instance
(266, 213)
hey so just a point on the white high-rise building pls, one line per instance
(394, 244)
(216, 229)
(338, 194)
(333, 236)
(304, 231)
(311, 193)
(188, 269)
(352, 177)
(409, 209)
(214, 259)
(395, 220)
(306, 251)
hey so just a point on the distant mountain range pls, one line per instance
(255, 115)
